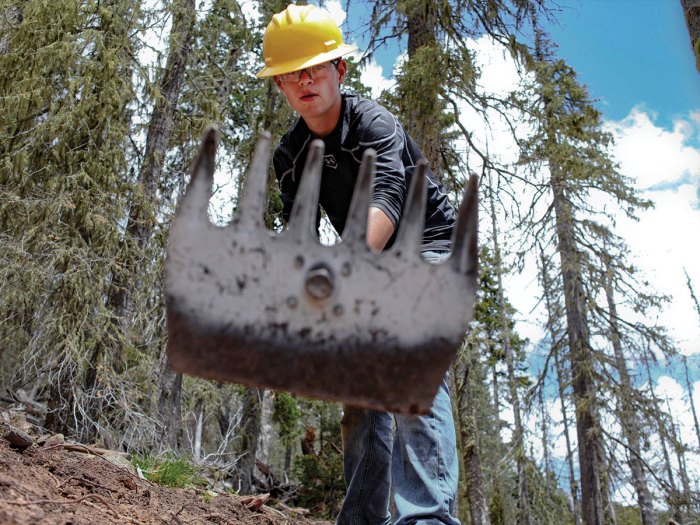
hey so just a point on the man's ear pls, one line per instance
(277, 81)
(342, 70)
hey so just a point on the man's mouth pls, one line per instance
(308, 96)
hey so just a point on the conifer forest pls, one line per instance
(103, 104)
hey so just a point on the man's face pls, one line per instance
(314, 92)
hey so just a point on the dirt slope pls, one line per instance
(52, 485)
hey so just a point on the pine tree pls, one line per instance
(630, 423)
(557, 340)
(65, 121)
(509, 343)
(691, 401)
(691, 290)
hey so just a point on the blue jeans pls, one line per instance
(417, 460)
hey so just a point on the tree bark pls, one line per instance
(630, 423)
(468, 435)
(198, 430)
(691, 9)
(144, 201)
(581, 358)
(422, 116)
(573, 483)
(523, 515)
(141, 220)
(689, 389)
(170, 388)
(692, 294)
(552, 314)
(266, 427)
(11, 16)
(679, 447)
(672, 495)
(545, 435)
(251, 412)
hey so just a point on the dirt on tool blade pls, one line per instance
(60, 484)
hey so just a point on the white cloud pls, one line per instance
(372, 75)
(653, 155)
(335, 9)
(665, 239)
(669, 388)
(499, 74)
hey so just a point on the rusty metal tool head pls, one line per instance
(283, 311)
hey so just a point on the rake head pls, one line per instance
(341, 323)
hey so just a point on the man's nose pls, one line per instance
(308, 78)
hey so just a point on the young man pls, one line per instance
(303, 51)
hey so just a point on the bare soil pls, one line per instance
(58, 484)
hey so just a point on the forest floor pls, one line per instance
(47, 481)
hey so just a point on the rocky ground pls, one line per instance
(48, 481)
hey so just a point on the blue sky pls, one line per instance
(630, 53)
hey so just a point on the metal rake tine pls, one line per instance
(465, 239)
(410, 235)
(254, 197)
(355, 233)
(195, 202)
(302, 221)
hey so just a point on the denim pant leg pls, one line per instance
(367, 446)
(426, 467)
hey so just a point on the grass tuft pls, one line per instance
(168, 470)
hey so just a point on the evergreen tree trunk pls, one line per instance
(9, 17)
(523, 517)
(421, 110)
(689, 389)
(679, 447)
(573, 483)
(266, 428)
(468, 436)
(273, 117)
(628, 418)
(248, 436)
(143, 206)
(692, 294)
(581, 358)
(609, 508)
(144, 201)
(545, 435)
(497, 511)
(672, 497)
(553, 313)
(169, 408)
(198, 430)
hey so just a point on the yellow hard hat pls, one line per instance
(299, 37)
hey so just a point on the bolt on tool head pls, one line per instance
(342, 322)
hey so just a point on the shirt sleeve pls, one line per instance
(384, 134)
